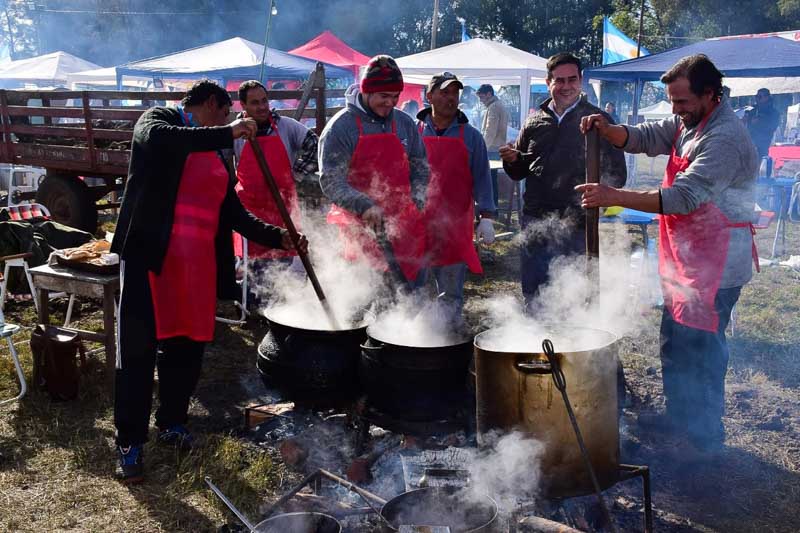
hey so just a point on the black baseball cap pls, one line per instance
(443, 80)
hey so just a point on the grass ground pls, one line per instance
(56, 470)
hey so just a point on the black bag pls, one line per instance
(55, 366)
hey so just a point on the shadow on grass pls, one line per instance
(75, 426)
(229, 362)
(779, 361)
(733, 491)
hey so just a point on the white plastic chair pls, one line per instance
(7, 331)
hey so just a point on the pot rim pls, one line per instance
(611, 338)
(267, 521)
(489, 499)
(459, 339)
(271, 319)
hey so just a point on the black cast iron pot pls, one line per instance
(318, 366)
(415, 383)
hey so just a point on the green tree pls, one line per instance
(539, 26)
(17, 29)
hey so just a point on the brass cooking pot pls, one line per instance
(515, 391)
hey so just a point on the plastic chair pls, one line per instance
(25, 212)
(7, 331)
(241, 263)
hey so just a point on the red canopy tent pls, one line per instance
(328, 48)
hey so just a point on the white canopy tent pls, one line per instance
(659, 111)
(105, 78)
(479, 61)
(749, 86)
(231, 59)
(44, 71)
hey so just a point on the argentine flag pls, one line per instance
(616, 45)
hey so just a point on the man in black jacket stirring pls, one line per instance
(173, 236)
(550, 153)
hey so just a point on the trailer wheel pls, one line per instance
(69, 200)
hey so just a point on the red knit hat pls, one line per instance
(382, 75)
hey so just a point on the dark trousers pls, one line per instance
(540, 248)
(494, 155)
(178, 361)
(693, 366)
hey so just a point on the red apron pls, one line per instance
(255, 196)
(449, 208)
(185, 292)
(379, 168)
(692, 253)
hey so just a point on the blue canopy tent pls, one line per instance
(735, 57)
(232, 59)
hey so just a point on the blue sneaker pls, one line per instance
(130, 465)
(177, 436)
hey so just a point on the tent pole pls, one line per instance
(637, 91)
(524, 98)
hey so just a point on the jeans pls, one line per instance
(537, 252)
(450, 284)
(693, 367)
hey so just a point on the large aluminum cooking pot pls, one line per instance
(299, 523)
(303, 522)
(441, 506)
(515, 391)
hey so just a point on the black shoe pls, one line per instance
(661, 422)
(177, 436)
(130, 465)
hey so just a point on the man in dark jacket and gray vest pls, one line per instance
(550, 153)
(174, 239)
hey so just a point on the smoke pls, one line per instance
(508, 469)
(350, 287)
(415, 320)
(572, 295)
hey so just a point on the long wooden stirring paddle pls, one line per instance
(593, 214)
(287, 220)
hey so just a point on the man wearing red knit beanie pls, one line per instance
(375, 171)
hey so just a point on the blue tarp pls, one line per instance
(736, 57)
(232, 59)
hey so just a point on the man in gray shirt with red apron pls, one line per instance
(375, 171)
(706, 248)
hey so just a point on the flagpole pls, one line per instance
(636, 90)
(641, 26)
